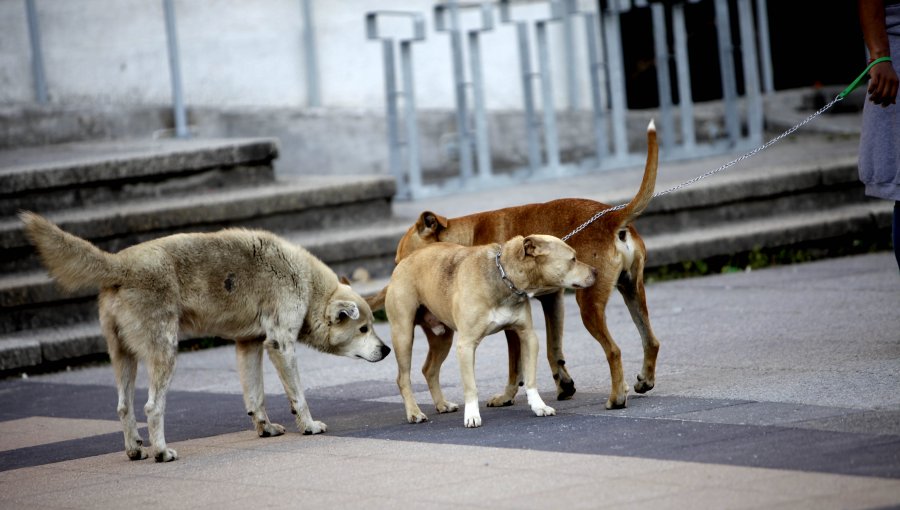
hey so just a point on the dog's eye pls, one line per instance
(364, 329)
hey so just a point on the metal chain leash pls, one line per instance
(726, 166)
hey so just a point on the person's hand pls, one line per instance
(883, 83)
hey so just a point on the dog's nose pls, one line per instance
(385, 350)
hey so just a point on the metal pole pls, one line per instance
(481, 132)
(664, 85)
(464, 140)
(531, 122)
(551, 138)
(590, 23)
(765, 51)
(390, 90)
(751, 72)
(569, 40)
(726, 61)
(682, 67)
(313, 99)
(412, 132)
(616, 83)
(37, 55)
(181, 130)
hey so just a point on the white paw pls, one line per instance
(544, 411)
(314, 427)
(167, 455)
(472, 417)
(473, 421)
(416, 417)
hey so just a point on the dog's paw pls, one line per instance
(618, 402)
(501, 400)
(565, 390)
(314, 427)
(447, 407)
(167, 455)
(418, 417)
(643, 385)
(472, 422)
(543, 411)
(136, 453)
(269, 429)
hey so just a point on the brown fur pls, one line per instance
(249, 286)
(610, 244)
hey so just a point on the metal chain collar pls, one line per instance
(750, 154)
(509, 283)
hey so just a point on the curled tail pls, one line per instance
(642, 199)
(376, 301)
(72, 261)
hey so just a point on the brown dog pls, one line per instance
(611, 244)
(476, 291)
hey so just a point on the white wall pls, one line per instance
(247, 53)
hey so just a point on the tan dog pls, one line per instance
(611, 245)
(248, 286)
(476, 291)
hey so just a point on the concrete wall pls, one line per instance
(238, 53)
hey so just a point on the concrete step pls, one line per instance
(74, 175)
(285, 205)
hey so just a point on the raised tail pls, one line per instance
(72, 261)
(642, 199)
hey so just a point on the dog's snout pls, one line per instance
(385, 350)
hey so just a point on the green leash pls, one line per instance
(752, 153)
(859, 79)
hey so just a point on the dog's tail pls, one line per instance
(376, 301)
(72, 261)
(648, 184)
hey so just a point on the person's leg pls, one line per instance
(896, 233)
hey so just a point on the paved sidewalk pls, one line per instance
(776, 389)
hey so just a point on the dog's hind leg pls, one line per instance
(161, 369)
(402, 341)
(438, 348)
(554, 312)
(249, 360)
(592, 303)
(632, 290)
(514, 351)
(124, 365)
(279, 344)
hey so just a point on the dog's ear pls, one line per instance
(534, 246)
(339, 311)
(345, 280)
(430, 224)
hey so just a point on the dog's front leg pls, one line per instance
(281, 351)
(249, 360)
(465, 354)
(529, 366)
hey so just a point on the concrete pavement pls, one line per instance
(775, 389)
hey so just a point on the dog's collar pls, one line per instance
(509, 283)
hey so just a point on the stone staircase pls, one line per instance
(120, 193)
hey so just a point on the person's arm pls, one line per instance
(883, 81)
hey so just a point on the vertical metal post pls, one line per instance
(459, 81)
(37, 54)
(726, 61)
(531, 123)
(409, 183)
(765, 51)
(551, 137)
(590, 23)
(618, 98)
(414, 169)
(313, 98)
(181, 130)
(685, 94)
(482, 144)
(751, 72)
(664, 85)
(569, 41)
